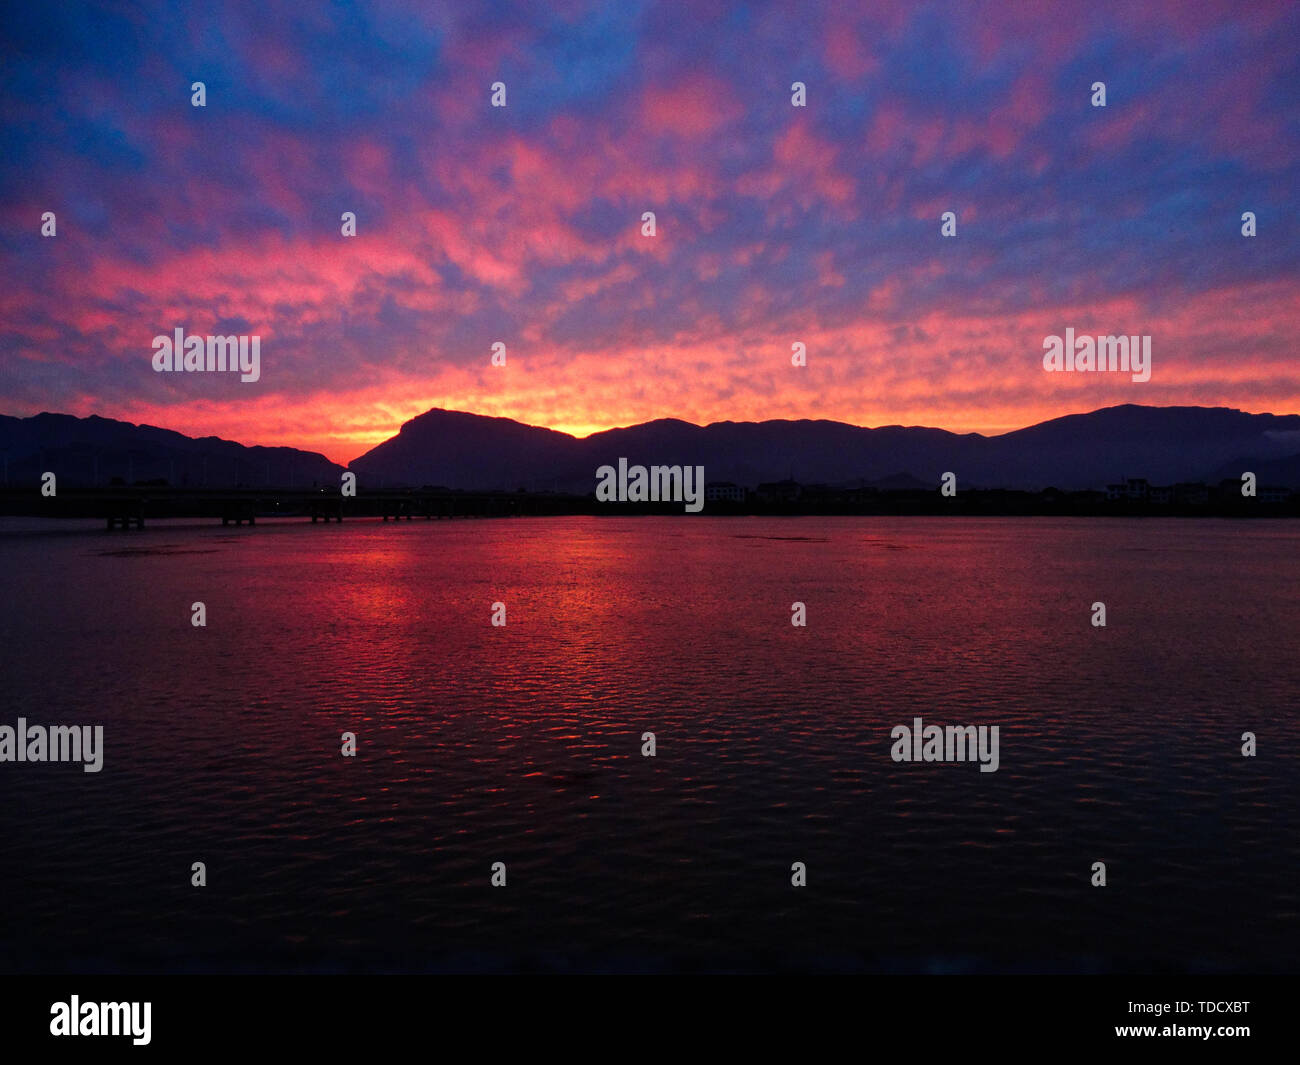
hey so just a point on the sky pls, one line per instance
(522, 224)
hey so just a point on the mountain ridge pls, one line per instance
(1077, 451)
(95, 450)
(460, 449)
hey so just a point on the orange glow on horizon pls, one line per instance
(962, 372)
(353, 434)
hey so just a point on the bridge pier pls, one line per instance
(324, 510)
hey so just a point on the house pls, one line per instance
(723, 491)
(1131, 488)
(786, 491)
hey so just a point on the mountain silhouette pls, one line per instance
(95, 450)
(455, 449)
(1166, 445)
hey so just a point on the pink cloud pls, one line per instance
(694, 106)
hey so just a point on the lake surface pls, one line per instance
(522, 744)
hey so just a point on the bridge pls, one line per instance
(129, 506)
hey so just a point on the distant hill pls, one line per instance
(1283, 472)
(1079, 451)
(455, 449)
(94, 450)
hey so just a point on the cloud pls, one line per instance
(522, 224)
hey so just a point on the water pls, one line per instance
(522, 744)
